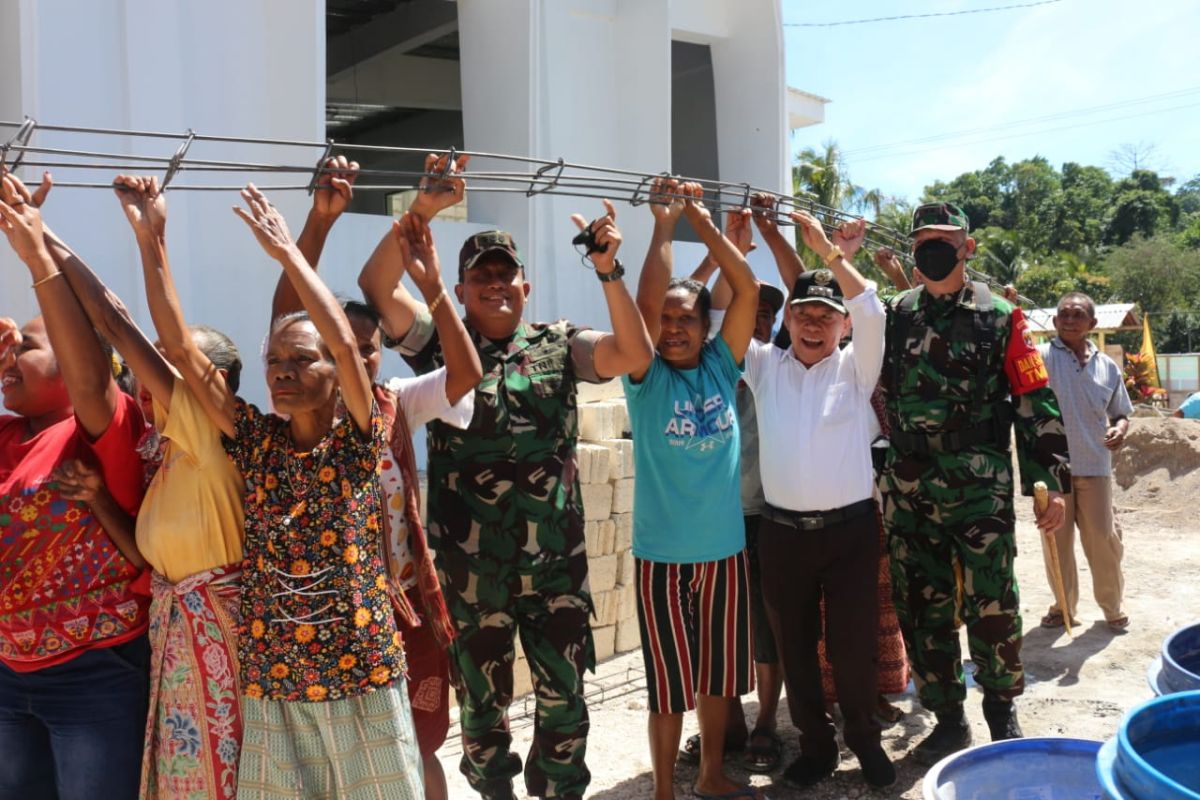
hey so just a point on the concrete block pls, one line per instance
(597, 501)
(620, 418)
(606, 640)
(606, 607)
(620, 458)
(626, 602)
(622, 501)
(522, 679)
(624, 524)
(591, 392)
(597, 421)
(626, 573)
(600, 537)
(629, 637)
(593, 460)
(602, 573)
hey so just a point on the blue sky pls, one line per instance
(893, 82)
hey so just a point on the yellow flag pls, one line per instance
(1148, 357)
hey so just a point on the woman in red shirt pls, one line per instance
(73, 650)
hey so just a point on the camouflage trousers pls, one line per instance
(941, 512)
(557, 641)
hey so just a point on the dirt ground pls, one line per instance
(1079, 687)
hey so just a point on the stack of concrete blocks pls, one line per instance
(606, 481)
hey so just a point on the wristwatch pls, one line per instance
(834, 254)
(617, 273)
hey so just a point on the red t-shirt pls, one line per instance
(1022, 361)
(64, 586)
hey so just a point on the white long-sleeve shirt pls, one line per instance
(816, 423)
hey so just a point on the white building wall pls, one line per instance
(241, 67)
(589, 80)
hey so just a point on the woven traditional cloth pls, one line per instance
(360, 748)
(194, 729)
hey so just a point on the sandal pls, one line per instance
(887, 712)
(1119, 625)
(690, 752)
(1054, 619)
(759, 757)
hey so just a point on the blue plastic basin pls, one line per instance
(1156, 754)
(1020, 769)
(1181, 660)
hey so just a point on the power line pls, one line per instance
(1026, 121)
(918, 151)
(917, 16)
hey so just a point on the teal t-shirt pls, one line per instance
(687, 505)
(1190, 408)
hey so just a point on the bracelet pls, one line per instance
(834, 253)
(46, 279)
(437, 301)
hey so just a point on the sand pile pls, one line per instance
(1158, 469)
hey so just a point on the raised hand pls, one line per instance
(812, 232)
(694, 208)
(78, 481)
(666, 204)
(335, 187)
(605, 231)
(144, 204)
(266, 223)
(763, 205)
(10, 341)
(419, 255)
(738, 230)
(435, 194)
(20, 220)
(849, 236)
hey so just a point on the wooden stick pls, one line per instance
(1041, 499)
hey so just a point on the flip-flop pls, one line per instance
(748, 792)
(762, 758)
(1054, 619)
(690, 752)
(1119, 625)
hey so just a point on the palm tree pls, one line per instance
(821, 175)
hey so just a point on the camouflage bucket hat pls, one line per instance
(941, 217)
(480, 244)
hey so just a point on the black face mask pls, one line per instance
(936, 259)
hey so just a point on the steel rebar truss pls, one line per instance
(507, 174)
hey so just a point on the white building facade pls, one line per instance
(689, 86)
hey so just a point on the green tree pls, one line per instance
(822, 175)
(1087, 194)
(1141, 206)
(1154, 273)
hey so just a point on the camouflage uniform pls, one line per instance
(956, 503)
(506, 522)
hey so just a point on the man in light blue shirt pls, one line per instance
(1189, 408)
(1095, 408)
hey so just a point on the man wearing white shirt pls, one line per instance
(819, 534)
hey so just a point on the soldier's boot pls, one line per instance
(951, 734)
(1001, 717)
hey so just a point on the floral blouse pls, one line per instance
(317, 622)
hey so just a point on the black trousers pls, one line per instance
(841, 563)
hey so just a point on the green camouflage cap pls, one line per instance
(484, 242)
(940, 217)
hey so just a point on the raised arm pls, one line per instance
(666, 204)
(85, 369)
(333, 193)
(107, 313)
(380, 277)
(847, 240)
(146, 209)
(738, 327)
(738, 231)
(787, 260)
(890, 265)
(326, 312)
(420, 257)
(628, 348)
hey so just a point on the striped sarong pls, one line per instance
(194, 729)
(359, 748)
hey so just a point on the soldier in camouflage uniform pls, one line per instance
(504, 506)
(960, 369)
